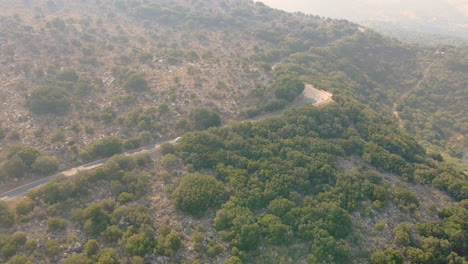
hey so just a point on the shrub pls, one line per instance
(112, 234)
(92, 248)
(48, 100)
(67, 75)
(82, 88)
(405, 199)
(167, 148)
(106, 147)
(13, 168)
(24, 207)
(281, 206)
(136, 82)
(8, 250)
(6, 217)
(214, 250)
(108, 256)
(388, 256)
(233, 260)
(274, 230)
(203, 118)
(138, 245)
(167, 244)
(52, 248)
(45, 165)
(57, 136)
(76, 259)
(31, 245)
(169, 160)
(196, 192)
(56, 224)
(402, 234)
(27, 154)
(125, 197)
(18, 239)
(19, 259)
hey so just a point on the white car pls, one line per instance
(177, 139)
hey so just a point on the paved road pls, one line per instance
(310, 94)
(23, 190)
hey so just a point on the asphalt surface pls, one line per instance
(310, 94)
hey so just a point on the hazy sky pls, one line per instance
(435, 16)
(418, 10)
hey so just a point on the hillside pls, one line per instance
(336, 183)
(132, 72)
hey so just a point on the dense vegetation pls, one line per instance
(23, 160)
(436, 111)
(277, 182)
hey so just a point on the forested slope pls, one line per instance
(337, 184)
(437, 111)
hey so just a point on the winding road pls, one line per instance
(409, 91)
(311, 94)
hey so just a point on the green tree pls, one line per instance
(138, 245)
(18, 239)
(106, 147)
(274, 230)
(281, 206)
(169, 160)
(97, 219)
(52, 248)
(13, 168)
(327, 249)
(112, 233)
(77, 259)
(8, 250)
(402, 234)
(288, 88)
(167, 244)
(27, 154)
(167, 148)
(45, 165)
(233, 260)
(388, 256)
(196, 192)
(24, 207)
(48, 100)
(67, 75)
(108, 256)
(56, 224)
(202, 118)
(92, 248)
(136, 82)
(6, 217)
(31, 245)
(83, 88)
(19, 259)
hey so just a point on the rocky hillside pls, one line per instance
(340, 183)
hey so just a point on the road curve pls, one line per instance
(311, 94)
